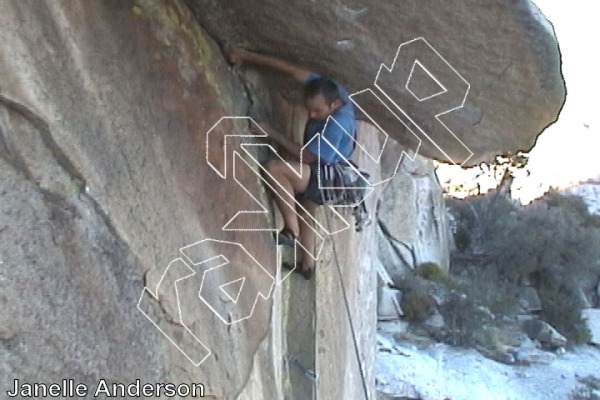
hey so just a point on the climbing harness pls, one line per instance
(344, 186)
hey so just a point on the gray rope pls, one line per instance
(348, 314)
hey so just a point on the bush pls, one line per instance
(571, 204)
(418, 306)
(462, 238)
(553, 243)
(478, 218)
(465, 319)
(588, 390)
(431, 271)
(575, 206)
(475, 281)
(562, 310)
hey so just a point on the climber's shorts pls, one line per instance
(329, 178)
(312, 192)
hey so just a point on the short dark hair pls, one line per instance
(324, 86)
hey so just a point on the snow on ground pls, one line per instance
(440, 372)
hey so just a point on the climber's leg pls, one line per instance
(287, 185)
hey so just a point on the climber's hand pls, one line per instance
(256, 130)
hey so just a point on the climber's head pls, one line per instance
(322, 98)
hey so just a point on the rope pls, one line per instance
(347, 306)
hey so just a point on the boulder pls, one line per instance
(506, 52)
(527, 352)
(544, 333)
(529, 301)
(402, 391)
(592, 319)
(435, 322)
(388, 303)
(534, 356)
(504, 355)
(392, 327)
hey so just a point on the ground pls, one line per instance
(438, 371)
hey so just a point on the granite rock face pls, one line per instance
(106, 190)
(413, 217)
(592, 319)
(506, 51)
(104, 109)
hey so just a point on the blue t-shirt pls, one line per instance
(339, 134)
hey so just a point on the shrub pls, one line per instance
(418, 306)
(465, 319)
(562, 310)
(462, 238)
(431, 271)
(554, 243)
(570, 204)
(588, 390)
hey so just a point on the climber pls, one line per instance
(322, 98)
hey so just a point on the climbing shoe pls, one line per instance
(286, 238)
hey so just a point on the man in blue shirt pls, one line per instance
(331, 113)
(339, 131)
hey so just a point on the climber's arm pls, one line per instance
(291, 147)
(239, 56)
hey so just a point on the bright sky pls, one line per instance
(568, 151)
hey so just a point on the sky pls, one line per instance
(568, 151)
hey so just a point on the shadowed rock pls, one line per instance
(506, 51)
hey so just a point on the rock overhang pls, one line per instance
(506, 53)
